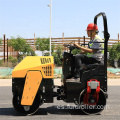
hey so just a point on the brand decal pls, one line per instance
(45, 60)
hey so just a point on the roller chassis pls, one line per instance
(91, 90)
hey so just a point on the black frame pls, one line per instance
(106, 37)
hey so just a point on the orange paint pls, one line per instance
(32, 83)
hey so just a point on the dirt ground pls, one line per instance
(112, 75)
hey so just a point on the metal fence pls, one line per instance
(6, 50)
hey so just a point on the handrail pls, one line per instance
(106, 37)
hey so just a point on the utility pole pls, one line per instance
(50, 22)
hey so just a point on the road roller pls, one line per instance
(33, 81)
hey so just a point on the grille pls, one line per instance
(47, 70)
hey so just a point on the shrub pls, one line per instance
(14, 62)
(114, 53)
(10, 58)
(1, 62)
(57, 56)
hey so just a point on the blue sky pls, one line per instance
(26, 17)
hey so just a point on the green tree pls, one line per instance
(1, 41)
(52, 47)
(42, 44)
(52, 50)
(59, 50)
(19, 44)
(28, 50)
(58, 55)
